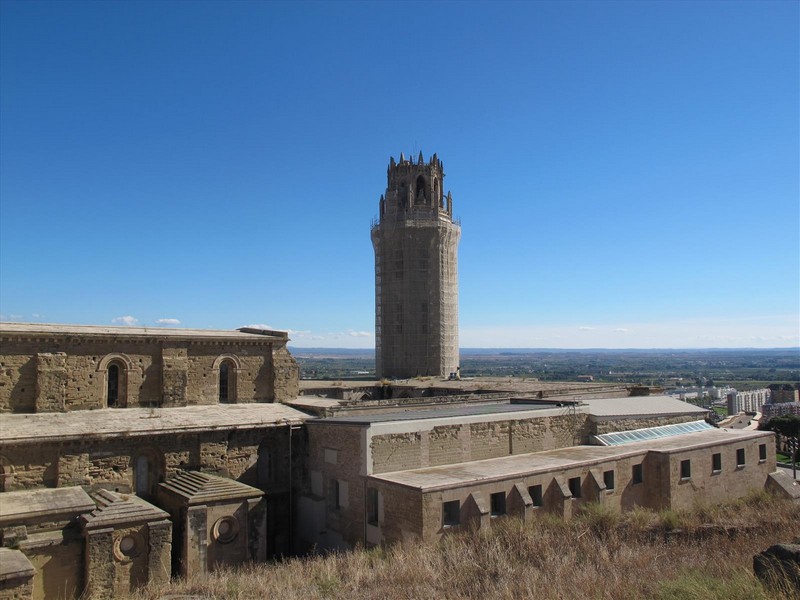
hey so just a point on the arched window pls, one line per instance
(227, 382)
(114, 387)
(421, 194)
(114, 370)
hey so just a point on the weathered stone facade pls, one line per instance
(52, 368)
(378, 480)
(217, 522)
(416, 273)
(128, 545)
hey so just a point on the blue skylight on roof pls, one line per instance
(651, 433)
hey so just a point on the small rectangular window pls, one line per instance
(686, 469)
(333, 494)
(536, 495)
(716, 462)
(638, 473)
(608, 479)
(372, 506)
(451, 513)
(762, 452)
(498, 502)
(740, 457)
(575, 487)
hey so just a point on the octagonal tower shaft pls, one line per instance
(416, 273)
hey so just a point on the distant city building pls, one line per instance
(416, 273)
(751, 401)
(783, 392)
(781, 409)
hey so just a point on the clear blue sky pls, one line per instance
(626, 173)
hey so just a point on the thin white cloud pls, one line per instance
(622, 330)
(352, 333)
(585, 328)
(259, 326)
(127, 320)
(168, 322)
(10, 317)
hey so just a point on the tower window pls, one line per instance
(686, 469)
(421, 194)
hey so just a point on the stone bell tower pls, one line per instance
(416, 273)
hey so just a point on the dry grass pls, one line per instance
(599, 555)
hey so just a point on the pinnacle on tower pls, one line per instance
(420, 160)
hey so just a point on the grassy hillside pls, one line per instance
(703, 554)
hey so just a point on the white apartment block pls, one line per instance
(750, 401)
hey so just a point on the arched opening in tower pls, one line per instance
(421, 195)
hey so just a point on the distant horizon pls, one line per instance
(512, 349)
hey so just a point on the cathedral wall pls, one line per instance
(72, 372)
(112, 463)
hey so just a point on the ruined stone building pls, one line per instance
(416, 272)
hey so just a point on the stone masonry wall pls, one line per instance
(450, 444)
(287, 375)
(70, 372)
(410, 513)
(109, 463)
(601, 427)
(336, 454)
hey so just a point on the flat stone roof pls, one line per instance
(641, 406)
(435, 412)
(15, 507)
(521, 465)
(114, 422)
(14, 565)
(314, 402)
(55, 329)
